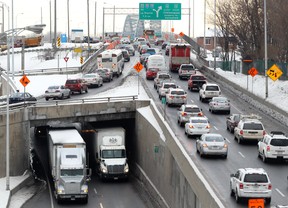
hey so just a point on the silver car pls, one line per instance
(93, 79)
(212, 144)
(163, 90)
(105, 73)
(219, 104)
(57, 92)
(197, 126)
(187, 111)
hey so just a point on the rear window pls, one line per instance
(212, 88)
(253, 126)
(256, 178)
(72, 81)
(198, 78)
(279, 142)
(199, 121)
(106, 60)
(192, 110)
(164, 76)
(177, 93)
(188, 67)
(214, 139)
(169, 86)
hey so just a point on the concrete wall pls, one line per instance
(19, 142)
(170, 169)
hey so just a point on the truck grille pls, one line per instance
(72, 188)
(115, 169)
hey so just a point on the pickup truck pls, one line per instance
(196, 81)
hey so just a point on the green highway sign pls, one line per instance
(159, 11)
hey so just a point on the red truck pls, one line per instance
(179, 53)
(196, 81)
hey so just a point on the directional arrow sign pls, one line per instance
(160, 11)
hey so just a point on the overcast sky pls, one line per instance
(28, 12)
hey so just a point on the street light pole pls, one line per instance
(68, 33)
(114, 20)
(95, 19)
(55, 24)
(103, 24)
(88, 29)
(265, 46)
(189, 22)
(214, 34)
(204, 40)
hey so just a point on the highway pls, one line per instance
(215, 169)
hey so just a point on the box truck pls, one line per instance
(67, 158)
(179, 54)
(110, 153)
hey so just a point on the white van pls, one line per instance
(112, 59)
(157, 62)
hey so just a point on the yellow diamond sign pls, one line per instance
(274, 72)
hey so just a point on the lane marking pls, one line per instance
(215, 128)
(241, 154)
(192, 101)
(279, 192)
(236, 108)
(228, 140)
(95, 191)
(101, 206)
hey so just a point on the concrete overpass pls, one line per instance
(158, 159)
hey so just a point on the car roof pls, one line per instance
(200, 118)
(253, 170)
(211, 84)
(191, 105)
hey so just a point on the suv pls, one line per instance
(165, 87)
(76, 85)
(207, 91)
(186, 111)
(176, 97)
(126, 55)
(274, 146)
(249, 129)
(186, 70)
(251, 183)
(160, 77)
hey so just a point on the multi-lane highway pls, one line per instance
(215, 169)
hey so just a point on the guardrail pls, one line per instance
(26, 104)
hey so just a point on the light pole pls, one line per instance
(204, 40)
(68, 23)
(17, 18)
(265, 46)
(214, 34)
(95, 19)
(189, 19)
(88, 29)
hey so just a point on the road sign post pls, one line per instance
(66, 60)
(138, 67)
(159, 11)
(24, 81)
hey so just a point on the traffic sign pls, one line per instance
(256, 203)
(24, 80)
(66, 58)
(253, 71)
(181, 34)
(159, 11)
(138, 67)
(274, 72)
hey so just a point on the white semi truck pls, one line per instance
(110, 154)
(67, 158)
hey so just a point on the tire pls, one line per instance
(86, 91)
(228, 112)
(201, 154)
(268, 200)
(264, 159)
(225, 156)
(239, 140)
(46, 98)
(81, 91)
(69, 95)
(62, 96)
(237, 198)
(231, 190)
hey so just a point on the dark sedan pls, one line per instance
(19, 97)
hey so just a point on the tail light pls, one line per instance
(208, 127)
(241, 186)
(171, 96)
(225, 146)
(79, 85)
(264, 132)
(57, 91)
(268, 148)
(204, 145)
(184, 114)
(191, 126)
(270, 186)
(200, 114)
(113, 66)
(241, 132)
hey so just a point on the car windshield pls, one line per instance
(255, 178)
(18, 94)
(220, 99)
(212, 88)
(177, 92)
(192, 110)
(253, 126)
(188, 67)
(72, 172)
(106, 60)
(89, 75)
(279, 142)
(164, 76)
(113, 153)
(71, 81)
(153, 69)
(214, 139)
(53, 87)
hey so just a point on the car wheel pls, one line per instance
(259, 155)
(200, 98)
(239, 140)
(62, 96)
(46, 98)
(225, 156)
(197, 150)
(86, 90)
(201, 153)
(227, 127)
(264, 159)
(69, 95)
(237, 198)
(81, 91)
(228, 112)
(268, 200)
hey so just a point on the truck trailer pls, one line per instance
(67, 158)
(110, 155)
(179, 53)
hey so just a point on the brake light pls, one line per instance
(171, 96)
(79, 85)
(191, 126)
(183, 97)
(241, 132)
(268, 148)
(184, 114)
(200, 114)
(241, 186)
(225, 146)
(270, 186)
(204, 145)
(208, 127)
(264, 132)
(57, 91)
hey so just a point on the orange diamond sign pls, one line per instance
(24, 80)
(138, 67)
(253, 71)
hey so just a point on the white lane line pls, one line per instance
(279, 192)
(241, 154)
(101, 206)
(95, 191)
(236, 108)
(228, 140)
(215, 128)
(192, 101)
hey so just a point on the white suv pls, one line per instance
(176, 97)
(165, 87)
(274, 146)
(249, 129)
(208, 91)
(251, 183)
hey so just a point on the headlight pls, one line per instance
(126, 168)
(84, 189)
(60, 190)
(104, 169)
